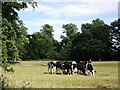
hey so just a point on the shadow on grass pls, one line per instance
(65, 73)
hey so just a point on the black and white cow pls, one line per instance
(56, 67)
(90, 68)
(81, 66)
(52, 67)
(60, 67)
(70, 66)
(74, 67)
(86, 65)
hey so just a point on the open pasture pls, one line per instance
(34, 74)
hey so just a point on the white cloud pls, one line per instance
(56, 1)
(77, 10)
(55, 22)
(58, 11)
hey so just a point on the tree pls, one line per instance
(93, 42)
(47, 30)
(8, 40)
(115, 38)
(42, 44)
(13, 32)
(70, 29)
(66, 45)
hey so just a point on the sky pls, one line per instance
(59, 12)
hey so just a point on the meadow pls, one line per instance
(34, 74)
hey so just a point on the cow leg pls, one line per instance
(61, 71)
(68, 71)
(54, 70)
(89, 72)
(75, 71)
(57, 70)
(78, 71)
(93, 73)
(84, 71)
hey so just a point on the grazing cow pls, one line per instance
(60, 67)
(81, 67)
(74, 67)
(70, 66)
(52, 67)
(90, 69)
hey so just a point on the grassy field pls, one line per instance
(34, 74)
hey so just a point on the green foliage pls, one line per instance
(14, 35)
(93, 42)
(10, 51)
(66, 44)
(9, 9)
(115, 38)
(42, 44)
(47, 30)
(11, 15)
(70, 29)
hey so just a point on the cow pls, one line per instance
(52, 67)
(70, 66)
(86, 65)
(81, 66)
(60, 67)
(56, 67)
(90, 68)
(74, 67)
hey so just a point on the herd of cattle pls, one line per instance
(71, 67)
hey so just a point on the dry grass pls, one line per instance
(34, 74)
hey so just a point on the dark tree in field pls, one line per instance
(42, 44)
(66, 44)
(13, 32)
(93, 42)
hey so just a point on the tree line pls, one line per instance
(97, 40)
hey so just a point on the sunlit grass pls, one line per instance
(34, 74)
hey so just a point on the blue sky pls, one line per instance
(58, 12)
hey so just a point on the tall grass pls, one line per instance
(34, 74)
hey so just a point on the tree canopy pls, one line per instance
(14, 34)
